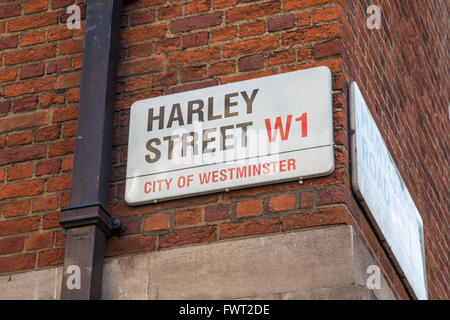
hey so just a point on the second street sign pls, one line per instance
(243, 134)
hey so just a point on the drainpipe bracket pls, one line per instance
(92, 213)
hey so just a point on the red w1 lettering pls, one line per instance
(284, 132)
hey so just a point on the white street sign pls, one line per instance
(380, 188)
(248, 133)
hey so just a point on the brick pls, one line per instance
(218, 4)
(221, 68)
(194, 23)
(64, 114)
(143, 4)
(61, 148)
(40, 241)
(192, 86)
(341, 157)
(338, 83)
(313, 34)
(252, 29)
(219, 212)
(197, 6)
(140, 66)
(339, 117)
(138, 83)
(8, 75)
(282, 203)
(65, 199)
(60, 239)
(301, 4)
(188, 217)
(8, 42)
(9, 11)
(247, 76)
(30, 86)
(335, 65)
(249, 208)
(281, 57)
(4, 107)
(327, 49)
(132, 225)
(59, 183)
(20, 172)
(253, 11)
(56, 4)
(32, 38)
(59, 33)
(306, 199)
(194, 73)
(326, 14)
(35, 6)
(193, 56)
(142, 17)
(180, 237)
(25, 104)
(251, 63)
(51, 257)
(152, 31)
(320, 217)
(33, 22)
(223, 34)
(73, 95)
(128, 245)
(195, 39)
(32, 71)
(170, 12)
(247, 228)
(11, 245)
(281, 23)
(45, 203)
(250, 46)
(22, 154)
(70, 47)
(67, 164)
(51, 220)
(17, 226)
(47, 167)
(304, 19)
(16, 208)
(80, 32)
(140, 50)
(69, 80)
(20, 138)
(47, 133)
(58, 66)
(17, 262)
(304, 53)
(121, 209)
(157, 222)
(167, 45)
(332, 196)
(165, 79)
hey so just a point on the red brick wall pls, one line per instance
(171, 46)
(403, 71)
(40, 65)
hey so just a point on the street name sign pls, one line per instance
(254, 132)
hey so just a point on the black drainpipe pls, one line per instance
(86, 221)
